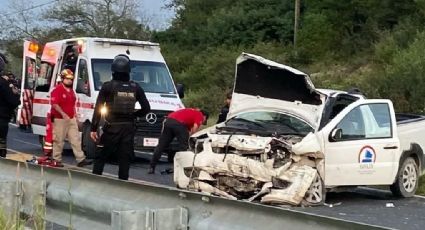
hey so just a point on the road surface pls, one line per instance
(370, 206)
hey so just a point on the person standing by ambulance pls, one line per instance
(63, 114)
(117, 100)
(9, 100)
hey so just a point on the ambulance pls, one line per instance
(90, 59)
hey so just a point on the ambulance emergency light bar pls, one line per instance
(124, 42)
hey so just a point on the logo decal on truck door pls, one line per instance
(367, 158)
(367, 155)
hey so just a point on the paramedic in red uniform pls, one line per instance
(180, 124)
(63, 113)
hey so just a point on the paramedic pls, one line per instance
(180, 124)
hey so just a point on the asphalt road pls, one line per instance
(28, 143)
(370, 206)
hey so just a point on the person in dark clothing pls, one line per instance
(180, 124)
(225, 110)
(115, 109)
(9, 101)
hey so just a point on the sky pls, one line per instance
(159, 18)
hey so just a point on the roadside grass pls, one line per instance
(35, 222)
(9, 223)
(421, 187)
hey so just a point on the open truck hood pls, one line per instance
(261, 84)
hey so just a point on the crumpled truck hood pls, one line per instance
(262, 84)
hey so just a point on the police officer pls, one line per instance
(9, 100)
(116, 101)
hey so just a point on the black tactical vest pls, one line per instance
(124, 97)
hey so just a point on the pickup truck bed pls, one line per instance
(411, 135)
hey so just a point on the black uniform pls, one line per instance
(119, 96)
(8, 102)
(223, 114)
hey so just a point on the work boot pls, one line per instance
(151, 170)
(84, 163)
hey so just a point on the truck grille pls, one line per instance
(149, 126)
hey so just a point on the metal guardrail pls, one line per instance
(87, 201)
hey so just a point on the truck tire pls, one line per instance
(316, 193)
(88, 145)
(407, 179)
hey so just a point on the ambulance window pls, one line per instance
(153, 77)
(83, 78)
(45, 77)
(30, 73)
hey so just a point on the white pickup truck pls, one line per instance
(362, 141)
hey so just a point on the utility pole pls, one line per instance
(296, 20)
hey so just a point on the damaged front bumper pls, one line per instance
(285, 170)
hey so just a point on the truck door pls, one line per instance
(29, 76)
(361, 144)
(83, 88)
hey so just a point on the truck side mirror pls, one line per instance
(336, 135)
(180, 90)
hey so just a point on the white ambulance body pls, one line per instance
(92, 68)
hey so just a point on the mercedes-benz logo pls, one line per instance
(151, 118)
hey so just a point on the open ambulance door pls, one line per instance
(28, 80)
(46, 81)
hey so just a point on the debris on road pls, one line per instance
(332, 205)
(389, 205)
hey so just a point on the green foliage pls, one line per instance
(404, 77)
(421, 188)
(316, 30)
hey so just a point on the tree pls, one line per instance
(102, 18)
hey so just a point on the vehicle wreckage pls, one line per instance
(253, 167)
(282, 136)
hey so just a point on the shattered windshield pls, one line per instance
(269, 122)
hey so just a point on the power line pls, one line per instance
(31, 8)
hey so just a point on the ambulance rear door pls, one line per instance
(52, 55)
(29, 75)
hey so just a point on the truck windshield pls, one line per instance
(269, 122)
(153, 77)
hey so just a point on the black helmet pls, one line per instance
(3, 62)
(121, 64)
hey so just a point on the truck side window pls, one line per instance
(83, 78)
(366, 122)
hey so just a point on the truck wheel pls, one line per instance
(316, 194)
(407, 179)
(88, 145)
